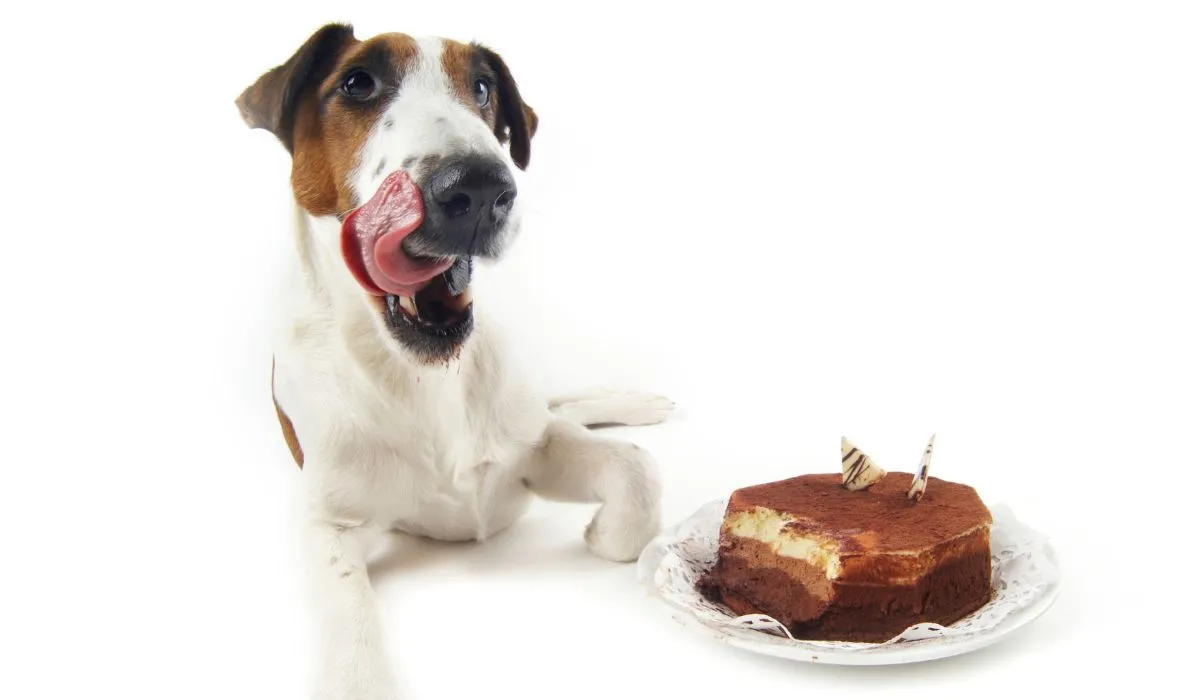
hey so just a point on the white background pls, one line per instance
(873, 219)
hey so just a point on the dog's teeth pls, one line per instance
(409, 305)
(391, 304)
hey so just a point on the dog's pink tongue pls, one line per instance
(372, 234)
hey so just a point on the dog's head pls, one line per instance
(410, 144)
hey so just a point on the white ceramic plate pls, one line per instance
(1025, 585)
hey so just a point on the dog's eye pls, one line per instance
(483, 93)
(359, 85)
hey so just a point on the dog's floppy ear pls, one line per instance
(516, 122)
(270, 103)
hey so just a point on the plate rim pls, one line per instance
(653, 558)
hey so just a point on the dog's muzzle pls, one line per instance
(411, 246)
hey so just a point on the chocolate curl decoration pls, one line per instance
(921, 479)
(858, 470)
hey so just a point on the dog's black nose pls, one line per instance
(469, 201)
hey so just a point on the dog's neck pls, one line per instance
(317, 247)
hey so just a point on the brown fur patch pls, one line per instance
(330, 137)
(314, 178)
(289, 431)
(323, 130)
(463, 64)
(458, 63)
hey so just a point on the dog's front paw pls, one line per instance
(619, 408)
(631, 515)
(636, 408)
(610, 539)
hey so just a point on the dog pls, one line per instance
(399, 406)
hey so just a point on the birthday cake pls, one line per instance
(856, 557)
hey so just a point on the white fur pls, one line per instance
(453, 452)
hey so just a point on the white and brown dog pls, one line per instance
(403, 152)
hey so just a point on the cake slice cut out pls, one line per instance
(858, 470)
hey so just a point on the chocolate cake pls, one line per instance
(862, 564)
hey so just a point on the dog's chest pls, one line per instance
(467, 486)
(436, 451)
(437, 465)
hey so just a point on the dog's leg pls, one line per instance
(612, 408)
(354, 660)
(574, 465)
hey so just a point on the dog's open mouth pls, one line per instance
(441, 307)
(425, 302)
